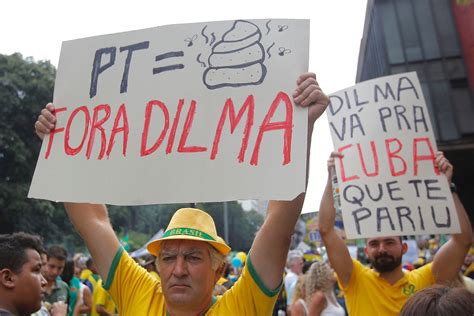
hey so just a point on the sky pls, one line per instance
(37, 28)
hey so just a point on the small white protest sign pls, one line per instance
(178, 113)
(389, 182)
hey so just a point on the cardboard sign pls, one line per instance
(389, 183)
(179, 113)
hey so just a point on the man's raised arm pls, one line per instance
(270, 247)
(336, 248)
(90, 220)
(450, 257)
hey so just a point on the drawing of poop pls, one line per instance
(237, 60)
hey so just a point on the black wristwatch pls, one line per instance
(453, 188)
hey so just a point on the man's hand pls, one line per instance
(332, 161)
(444, 166)
(46, 121)
(309, 94)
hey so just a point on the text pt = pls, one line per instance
(95, 119)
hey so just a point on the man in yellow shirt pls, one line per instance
(384, 289)
(104, 305)
(87, 272)
(190, 254)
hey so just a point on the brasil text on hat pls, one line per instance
(191, 224)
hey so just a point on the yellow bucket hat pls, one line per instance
(192, 224)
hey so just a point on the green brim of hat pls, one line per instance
(154, 246)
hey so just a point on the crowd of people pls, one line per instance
(304, 277)
(188, 272)
(68, 285)
(71, 285)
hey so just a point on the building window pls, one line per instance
(443, 108)
(392, 36)
(408, 28)
(426, 26)
(445, 26)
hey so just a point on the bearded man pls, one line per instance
(384, 289)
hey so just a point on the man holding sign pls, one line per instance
(384, 289)
(190, 254)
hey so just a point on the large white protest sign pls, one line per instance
(389, 183)
(179, 113)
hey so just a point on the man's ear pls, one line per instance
(404, 248)
(7, 278)
(219, 272)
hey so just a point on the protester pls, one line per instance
(384, 290)
(294, 265)
(20, 274)
(104, 305)
(468, 267)
(91, 275)
(440, 300)
(80, 298)
(85, 301)
(55, 290)
(87, 272)
(319, 289)
(67, 276)
(189, 255)
(298, 305)
(79, 264)
(93, 282)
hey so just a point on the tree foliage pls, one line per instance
(25, 87)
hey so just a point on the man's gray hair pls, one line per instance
(217, 259)
(292, 256)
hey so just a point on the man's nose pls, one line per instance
(180, 268)
(43, 281)
(382, 247)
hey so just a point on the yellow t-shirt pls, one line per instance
(85, 274)
(369, 294)
(104, 299)
(96, 282)
(155, 275)
(137, 293)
